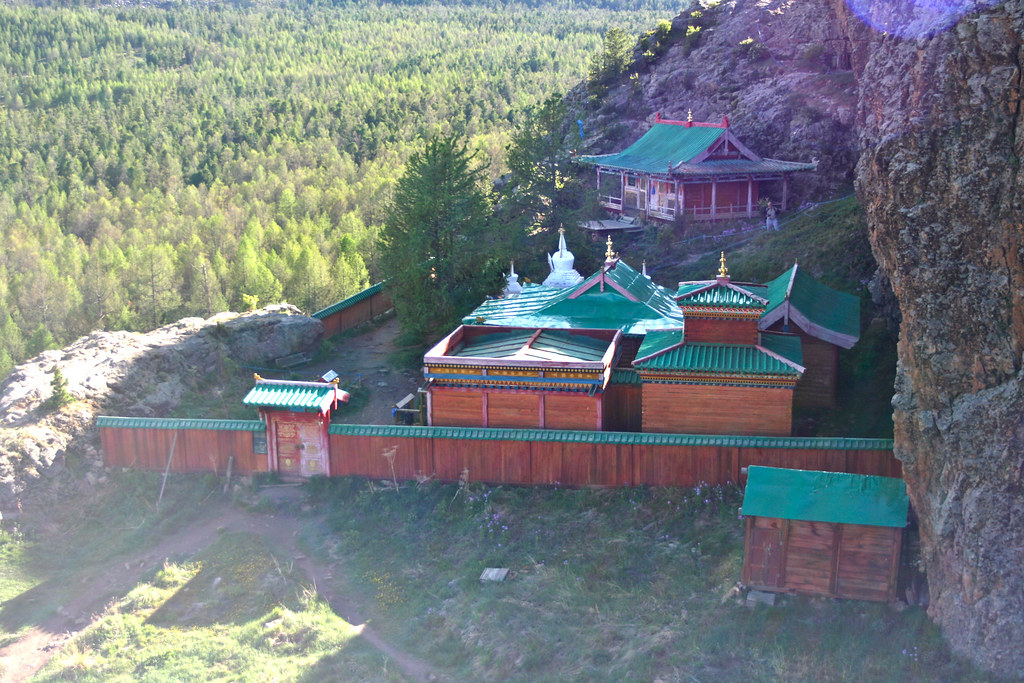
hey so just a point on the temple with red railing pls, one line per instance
(696, 170)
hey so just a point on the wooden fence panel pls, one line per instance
(511, 461)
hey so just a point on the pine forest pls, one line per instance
(164, 161)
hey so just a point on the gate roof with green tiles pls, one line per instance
(834, 497)
(294, 396)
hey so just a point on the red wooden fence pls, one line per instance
(355, 310)
(498, 456)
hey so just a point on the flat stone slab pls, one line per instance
(754, 597)
(494, 574)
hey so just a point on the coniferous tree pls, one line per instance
(438, 241)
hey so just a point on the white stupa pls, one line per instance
(561, 262)
(513, 288)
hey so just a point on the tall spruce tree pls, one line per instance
(439, 248)
(543, 190)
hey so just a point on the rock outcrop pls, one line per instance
(127, 373)
(920, 103)
(942, 132)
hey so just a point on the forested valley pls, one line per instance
(159, 162)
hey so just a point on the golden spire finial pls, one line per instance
(256, 376)
(610, 254)
(561, 231)
(689, 115)
(722, 270)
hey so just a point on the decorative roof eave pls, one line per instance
(692, 376)
(721, 312)
(727, 138)
(720, 282)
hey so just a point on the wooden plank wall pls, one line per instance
(820, 558)
(196, 450)
(716, 409)
(492, 461)
(356, 314)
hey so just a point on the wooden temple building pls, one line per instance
(700, 171)
(618, 352)
(823, 533)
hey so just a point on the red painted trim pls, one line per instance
(483, 405)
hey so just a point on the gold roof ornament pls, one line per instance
(609, 255)
(722, 270)
(689, 115)
(256, 376)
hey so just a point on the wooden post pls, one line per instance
(714, 197)
(750, 196)
(483, 405)
(227, 482)
(785, 190)
(167, 470)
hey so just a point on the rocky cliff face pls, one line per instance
(124, 373)
(922, 107)
(940, 124)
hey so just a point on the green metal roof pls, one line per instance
(715, 294)
(351, 301)
(786, 345)
(664, 145)
(547, 307)
(822, 306)
(637, 438)
(549, 345)
(659, 341)
(729, 359)
(623, 376)
(296, 396)
(825, 497)
(171, 423)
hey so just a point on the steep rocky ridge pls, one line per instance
(942, 134)
(921, 107)
(124, 373)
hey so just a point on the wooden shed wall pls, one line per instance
(717, 409)
(822, 558)
(196, 450)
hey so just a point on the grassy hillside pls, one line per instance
(605, 585)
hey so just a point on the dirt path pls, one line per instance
(366, 357)
(21, 659)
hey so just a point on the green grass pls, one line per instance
(232, 612)
(605, 585)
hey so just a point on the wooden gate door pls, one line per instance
(301, 447)
(762, 565)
